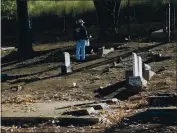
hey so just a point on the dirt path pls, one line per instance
(37, 109)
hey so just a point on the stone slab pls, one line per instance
(103, 51)
(148, 74)
(136, 82)
(52, 108)
(163, 111)
(162, 100)
(116, 93)
(81, 112)
(146, 67)
(98, 106)
(132, 98)
(107, 51)
(111, 101)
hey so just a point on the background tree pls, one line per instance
(107, 13)
(25, 41)
(8, 8)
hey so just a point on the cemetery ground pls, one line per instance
(37, 83)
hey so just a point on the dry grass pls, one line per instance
(42, 47)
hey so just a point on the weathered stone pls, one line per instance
(147, 67)
(81, 112)
(137, 82)
(148, 74)
(132, 98)
(163, 111)
(103, 51)
(111, 101)
(107, 51)
(97, 106)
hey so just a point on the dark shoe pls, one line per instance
(83, 61)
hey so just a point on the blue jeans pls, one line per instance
(80, 48)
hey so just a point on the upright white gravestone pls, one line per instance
(66, 68)
(67, 59)
(137, 79)
(140, 73)
(135, 65)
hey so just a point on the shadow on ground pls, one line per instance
(14, 57)
(51, 55)
(146, 122)
(119, 90)
(13, 77)
(29, 80)
(71, 50)
(23, 78)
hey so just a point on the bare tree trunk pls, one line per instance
(128, 18)
(64, 23)
(116, 14)
(102, 15)
(107, 13)
(25, 40)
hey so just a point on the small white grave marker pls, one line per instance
(67, 59)
(66, 68)
(135, 65)
(140, 73)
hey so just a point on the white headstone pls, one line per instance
(140, 73)
(67, 59)
(135, 65)
(147, 67)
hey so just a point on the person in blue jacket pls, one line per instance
(81, 38)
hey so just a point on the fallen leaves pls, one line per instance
(30, 109)
(20, 99)
(140, 104)
(3, 128)
(17, 88)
